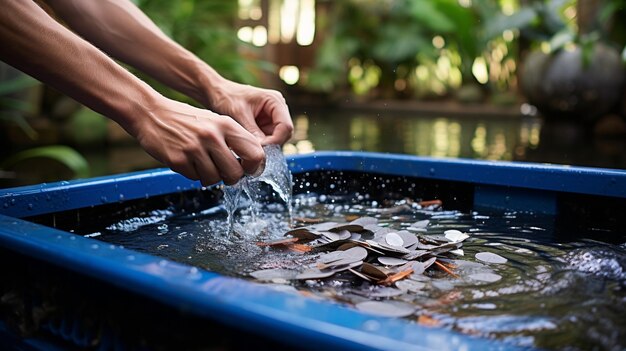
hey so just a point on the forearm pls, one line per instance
(35, 43)
(120, 29)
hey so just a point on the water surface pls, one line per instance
(554, 293)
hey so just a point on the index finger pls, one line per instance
(282, 125)
(247, 147)
(280, 135)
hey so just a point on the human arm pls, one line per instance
(191, 141)
(119, 28)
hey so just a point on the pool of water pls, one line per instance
(506, 138)
(555, 291)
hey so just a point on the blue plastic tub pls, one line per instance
(131, 299)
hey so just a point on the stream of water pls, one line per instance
(276, 174)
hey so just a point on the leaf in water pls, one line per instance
(490, 257)
(428, 321)
(445, 269)
(427, 203)
(282, 241)
(397, 276)
(299, 247)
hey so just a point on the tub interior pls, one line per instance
(584, 228)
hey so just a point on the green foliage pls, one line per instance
(539, 21)
(206, 28)
(397, 37)
(64, 155)
(388, 33)
(15, 85)
(12, 108)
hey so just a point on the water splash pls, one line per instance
(276, 174)
(232, 195)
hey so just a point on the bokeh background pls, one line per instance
(522, 80)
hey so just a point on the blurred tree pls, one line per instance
(206, 28)
(412, 47)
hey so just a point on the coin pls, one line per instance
(385, 309)
(455, 235)
(490, 257)
(391, 261)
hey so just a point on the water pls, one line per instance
(552, 293)
(276, 174)
(438, 135)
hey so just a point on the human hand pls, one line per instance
(197, 143)
(262, 112)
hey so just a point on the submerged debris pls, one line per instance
(490, 257)
(389, 262)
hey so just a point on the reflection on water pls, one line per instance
(489, 138)
(506, 138)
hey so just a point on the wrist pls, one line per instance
(210, 86)
(138, 108)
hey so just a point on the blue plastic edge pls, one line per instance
(47, 198)
(287, 317)
(241, 304)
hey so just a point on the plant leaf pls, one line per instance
(17, 84)
(65, 155)
(520, 19)
(560, 39)
(22, 123)
(427, 13)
